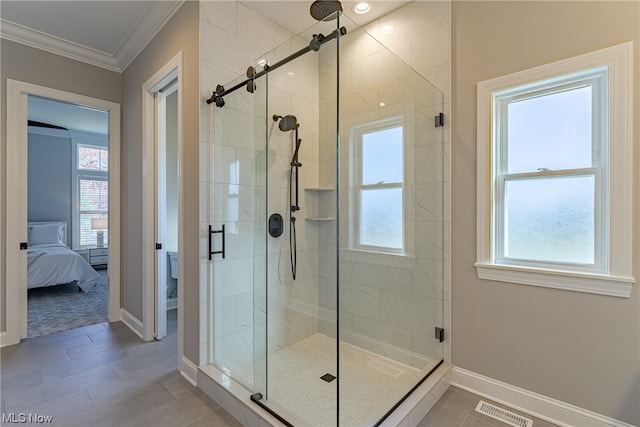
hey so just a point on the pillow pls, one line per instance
(45, 234)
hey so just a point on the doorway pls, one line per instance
(18, 94)
(67, 191)
(162, 205)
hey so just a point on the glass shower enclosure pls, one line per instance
(326, 292)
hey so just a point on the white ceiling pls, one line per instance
(110, 34)
(70, 116)
(294, 15)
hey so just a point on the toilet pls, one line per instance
(173, 262)
(172, 283)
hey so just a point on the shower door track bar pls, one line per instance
(316, 42)
(415, 387)
(257, 398)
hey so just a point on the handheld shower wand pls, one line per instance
(289, 123)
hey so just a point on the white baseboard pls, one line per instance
(537, 405)
(189, 371)
(132, 322)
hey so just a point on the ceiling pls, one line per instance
(110, 34)
(70, 116)
(294, 15)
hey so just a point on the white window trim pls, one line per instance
(357, 133)
(618, 280)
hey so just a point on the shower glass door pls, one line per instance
(302, 368)
(238, 206)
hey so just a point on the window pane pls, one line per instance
(551, 131)
(382, 158)
(91, 158)
(550, 219)
(94, 195)
(381, 218)
(104, 160)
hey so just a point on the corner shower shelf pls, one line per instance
(319, 200)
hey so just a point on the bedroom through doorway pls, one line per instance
(67, 216)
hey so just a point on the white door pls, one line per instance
(166, 198)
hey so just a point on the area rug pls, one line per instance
(59, 308)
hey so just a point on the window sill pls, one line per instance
(380, 258)
(578, 282)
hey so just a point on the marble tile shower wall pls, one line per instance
(232, 146)
(390, 304)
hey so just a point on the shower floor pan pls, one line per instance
(370, 384)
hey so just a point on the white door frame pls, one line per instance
(16, 206)
(152, 301)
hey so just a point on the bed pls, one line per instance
(50, 262)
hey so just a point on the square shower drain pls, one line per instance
(327, 377)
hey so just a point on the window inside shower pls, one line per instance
(377, 199)
(352, 332)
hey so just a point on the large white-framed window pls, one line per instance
(554, 175)
(377, 186)
(91, 192)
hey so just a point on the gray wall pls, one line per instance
(179, 34)
(49, 180)
(579, 348)
(35, 66)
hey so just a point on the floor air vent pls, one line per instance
(503, 415)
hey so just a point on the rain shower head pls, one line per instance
(325, 9)
(287, 123)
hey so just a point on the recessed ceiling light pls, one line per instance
(382, 104)
(362, 8)
(386, 29)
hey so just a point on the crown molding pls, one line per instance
(145, 30)
(24, 35)
(138, 38)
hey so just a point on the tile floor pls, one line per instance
(104, 375)
(457, 409)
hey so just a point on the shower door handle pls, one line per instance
(211, 233)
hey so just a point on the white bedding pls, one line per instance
(56, 264)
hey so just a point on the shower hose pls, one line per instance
(292, 228)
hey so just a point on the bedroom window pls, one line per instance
(93, 158)
(378, 186)
(554, 175)
(92, 191)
